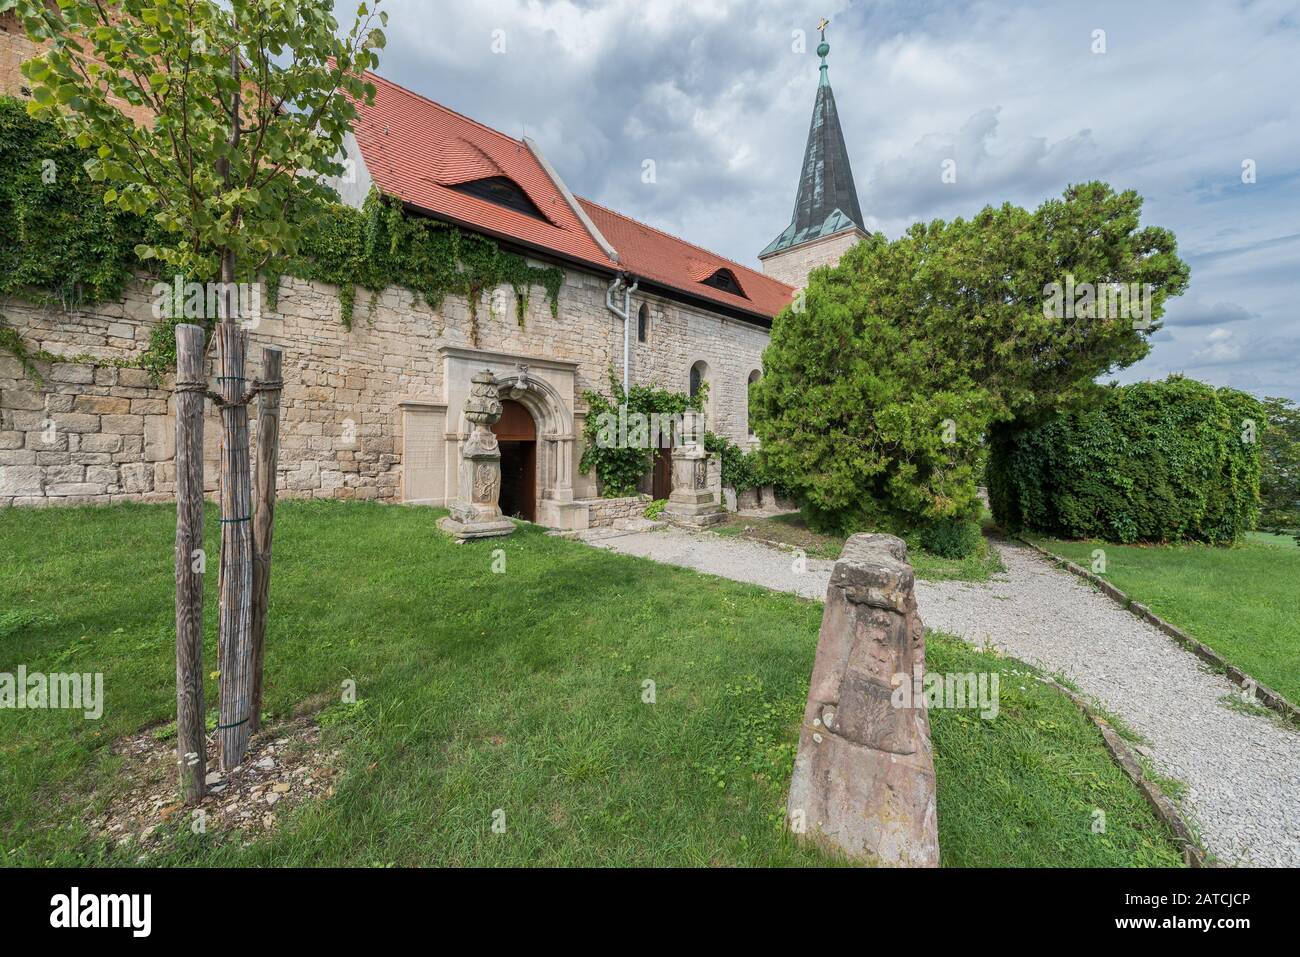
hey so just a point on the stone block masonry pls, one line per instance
(792, 266)
(99, 433)
(604, 512)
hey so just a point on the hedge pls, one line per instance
(1151, 462)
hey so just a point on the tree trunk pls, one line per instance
(236, 547)
(268, 454)
(191, 745)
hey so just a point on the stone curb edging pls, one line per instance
(1166, 809)
(1266, 695)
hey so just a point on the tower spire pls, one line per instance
(827, 200)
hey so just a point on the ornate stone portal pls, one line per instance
(475, 512)
(691, 502)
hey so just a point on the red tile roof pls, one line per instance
(416, 149)
(655, 255)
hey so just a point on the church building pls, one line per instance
(374, 411)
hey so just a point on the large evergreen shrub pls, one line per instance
(1149, 462)
(882, 380)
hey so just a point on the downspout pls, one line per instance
(625, 314)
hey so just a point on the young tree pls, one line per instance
(880, 385)
(249, 99)
(209, 118)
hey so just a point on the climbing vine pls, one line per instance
(59, 243)
(380, 246)
(620, 464)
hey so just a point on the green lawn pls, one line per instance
(1244, 602)
(791, 529)
(520, 691)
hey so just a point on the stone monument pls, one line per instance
(691, 501)
(863, 779)
(475, 512)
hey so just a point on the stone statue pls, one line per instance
(475, 513)
(690, 502)
(521, 384)
(864, 774)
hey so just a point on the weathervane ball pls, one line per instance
(823, 48)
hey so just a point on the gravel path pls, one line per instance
(1241, 771)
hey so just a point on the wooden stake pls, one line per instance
(191, 744)
(268, 454)
(236, 547)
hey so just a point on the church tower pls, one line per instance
(827, 219)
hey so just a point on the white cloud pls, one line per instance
(1009, 88)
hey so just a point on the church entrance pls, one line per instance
(516, 434)
(661, 480)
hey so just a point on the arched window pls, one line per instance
(642, 322)
(749, 402)
(699, 376)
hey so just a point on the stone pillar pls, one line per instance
(863, 777)
(564, 469)
(475, 513)
(691, 502)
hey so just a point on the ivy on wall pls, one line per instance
(60, 244)
(58, 241)
(619, 466)
(381, 246)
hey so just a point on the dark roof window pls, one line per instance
(503, 192)
(725, 280)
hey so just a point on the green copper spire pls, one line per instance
(827, 201)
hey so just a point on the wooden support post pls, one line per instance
(236, 547)
(268, 455)
(191, 744)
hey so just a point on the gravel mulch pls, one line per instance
(284, 767)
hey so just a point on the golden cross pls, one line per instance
(822, 26)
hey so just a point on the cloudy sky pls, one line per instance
(719, 94)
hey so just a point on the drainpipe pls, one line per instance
(624, 313)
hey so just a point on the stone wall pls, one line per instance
(15, 48)
(793, 265)
(678, 337)
(97, 433)
(603, 512)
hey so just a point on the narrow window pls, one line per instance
(699, 375)
(642, 322)
(749, 402)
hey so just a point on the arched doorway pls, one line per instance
(516, 434)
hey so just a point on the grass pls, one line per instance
(1287, 540)
(1244, 601)
(791, 529)
(520, 691)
